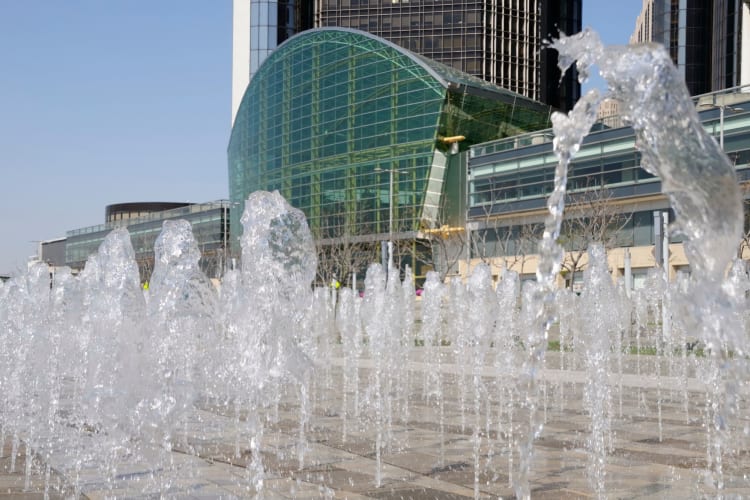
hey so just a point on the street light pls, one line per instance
(390, 171)
(227, 208)
(452, 142)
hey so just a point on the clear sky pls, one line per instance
(111, 101)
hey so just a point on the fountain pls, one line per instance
(268, 387)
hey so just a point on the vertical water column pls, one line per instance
(63, 412)
(569, 131)
(703, 191)
(182, 309)
(26, 338)
(624, 312)
(115, 339)
(376, 329)
(686, 344)
(481, 321)
(432, 334)
(601, 326)
(568, 320)
(346, 323)
(278, 267)
(508, 358)
(393, 351)
(321, 340)
(459, 337)
(407, 343)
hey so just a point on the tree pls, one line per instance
(509, 244)
(340, 255)
(744, 247)
(590, 216)
(447, 247)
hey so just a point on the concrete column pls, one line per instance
(628, 272)
(658, 242)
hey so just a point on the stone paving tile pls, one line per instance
(639, 466)
(14, 484)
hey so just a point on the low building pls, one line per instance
(52, 252)
(509, 181)
(144, 221)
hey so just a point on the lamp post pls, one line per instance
(390, 171)
(226, 214)
(453, 149)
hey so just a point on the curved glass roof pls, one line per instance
(348, 127)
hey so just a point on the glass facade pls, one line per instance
(352, 129)
(704, 39)
(514, 239)
(210, 222)
(273, 22)
(511, 177)
(611, 162)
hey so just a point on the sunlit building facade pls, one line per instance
(144, 220)
(358, 132)
(709, 42)
(510, 181)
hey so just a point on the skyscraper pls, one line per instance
(706, 40)
(258, 27)
(500, 41)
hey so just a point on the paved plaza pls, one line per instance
(421, 458)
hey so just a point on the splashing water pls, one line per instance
(695, 174)
(146, 363)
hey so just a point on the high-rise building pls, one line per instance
(500, 41)
(644, 24)
(258, 27)
(706, 40)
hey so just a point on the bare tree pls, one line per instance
(744, 246)
(213, 262)
(145, 268)
(447, 247)
(489, 240)
(590, 217)
(342, 253)
(507, 246)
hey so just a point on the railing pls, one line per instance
(154, 216)
(703, 102)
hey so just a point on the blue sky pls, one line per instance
(109, 101)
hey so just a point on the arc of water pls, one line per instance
(702, 188)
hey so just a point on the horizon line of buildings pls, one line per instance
(360, 129)
(506, 186)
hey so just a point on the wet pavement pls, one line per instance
(657, 448)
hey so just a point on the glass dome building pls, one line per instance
(358, 132)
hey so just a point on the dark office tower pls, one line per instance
(259, 26)
(559, 17)
(707, 40)
(500, 41)
(294, 16)
(684, 28)
(730, 32)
